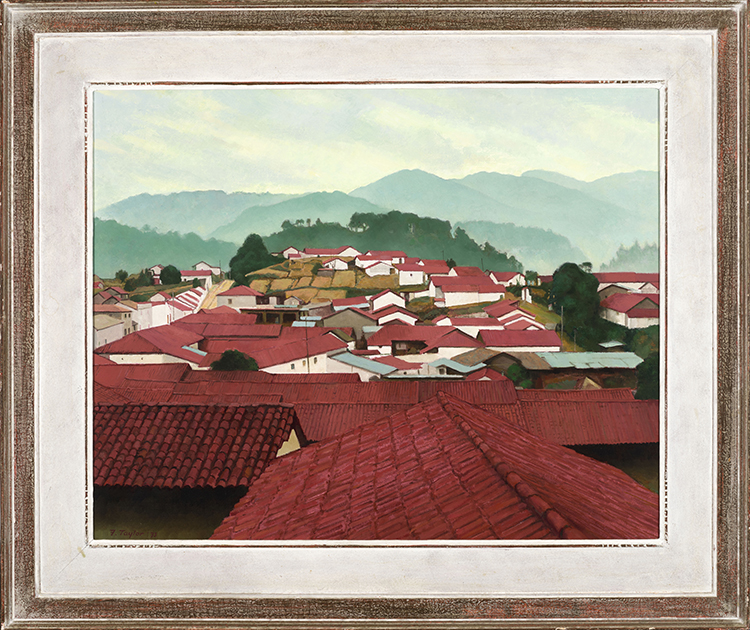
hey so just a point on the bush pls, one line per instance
(121, 275)
(170, 275)
(234, 360)
(144, 279)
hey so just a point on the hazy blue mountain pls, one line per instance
(124, 247)
(556, 178)
(334, 207)
(540, 250)
(429, 195)
(636, 192)
(644, 259)
(199, 211)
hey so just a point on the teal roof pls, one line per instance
(591, 360)
(363, 363)
(611, 344)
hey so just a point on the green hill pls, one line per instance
(324, 206)
(198, 211)
(423, 237)
(123, 247)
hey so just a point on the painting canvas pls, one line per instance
(376, 312)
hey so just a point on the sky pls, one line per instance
(305, 139)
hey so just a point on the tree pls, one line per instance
(251, 256)
(121, 275)
(532, 277)
(573, 295)
(144, 279)
(170, 275)
(286, 225)
(234, 360)
(586, 267)
(451, 263)
(648, 378)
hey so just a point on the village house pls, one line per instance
(629, 281)
(386, 298)
(420, 343)
(530, 488)
(448, 295)
(466, 272)
(392, 257)
(341, 304)
(632, 310)
(318, 252)
(394, 313)
(379, 268)
(107, 329)
(507, 277)
(203, 276)
(300, 356)
(289, 252)
(242, 298)
(162, 344)
(354, 318)
(118, 312)
(155, 272)
(337, 264)
(98, 284)
(469, 325)
(204, 266)
(521, 340)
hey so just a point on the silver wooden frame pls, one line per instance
(23, 608)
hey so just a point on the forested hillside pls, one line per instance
(121, 247)
(417, 236)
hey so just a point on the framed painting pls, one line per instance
(347, 315)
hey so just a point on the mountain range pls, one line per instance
(541, 217)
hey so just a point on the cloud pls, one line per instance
(318, 138)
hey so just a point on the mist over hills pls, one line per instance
(198, 211)
(542, 218)
(328, 207)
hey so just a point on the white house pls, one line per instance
(450, 295)
(107, 329)
(336, 263)
(203, 276)
(632, 310)
(290, 251)
(380, 269)
(386, 298)
(239, 297)
(507, 277)
(156, 273)
(204, 266)
(395, 314)
(411, 273)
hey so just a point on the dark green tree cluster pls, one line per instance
(121, 275)
(648, 378)
(170, 275)
(251, 256)
(143, 279)
(424, 237)
(234, 360)
(573, 295)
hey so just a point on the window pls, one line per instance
(315, 360)
(229, 301)
(292, 365)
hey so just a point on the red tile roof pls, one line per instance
(503, 276)
(467, 271)
(519, 338)
(321, 251)
(176, 446)
(321, 344)
(220, 315)
(195, 272)
(625, 302)
(100, 360)
(454, 338)
(501, 308)
(482, 322)
(411, 267)
(651, 313)
(386, 253)
(442, 469)
(109, 308)
(485, 374)
(522, 324)
(353, 301)
(241, 290)
(392, 308)
(158, 340)
(117, 290)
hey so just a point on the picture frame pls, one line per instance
(55, 575)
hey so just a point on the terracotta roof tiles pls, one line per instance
(175, 446)
(441, 469)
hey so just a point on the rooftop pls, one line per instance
(187, 446)
(441, 469)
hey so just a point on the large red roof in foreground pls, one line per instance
(328, 407)
(442, 469)
(175, 446)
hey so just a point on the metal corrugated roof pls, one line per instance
(363, 363)
(455, 365)
(591, 360)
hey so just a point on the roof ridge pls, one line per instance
(556, 521)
